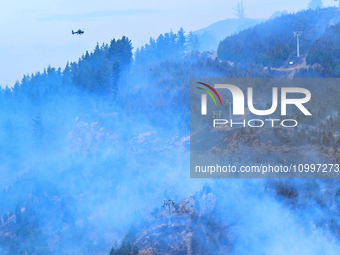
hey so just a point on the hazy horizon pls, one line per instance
(38, 34)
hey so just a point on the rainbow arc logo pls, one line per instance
(209, 93)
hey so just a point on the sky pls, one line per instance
(37, 33)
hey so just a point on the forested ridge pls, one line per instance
(89, 152)
(272, 43)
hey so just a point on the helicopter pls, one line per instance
(79, 32)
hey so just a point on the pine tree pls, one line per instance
(38, 130)
(160, 47)
(125, 51)
(193, 42)
(5, 217)
(196, 43)
(115, 78)
(152, 50)
(13, 248)
(135, 250)
(181, 41)
(112, 251)
(173, 38)
(105, 79)
(18, 214)
(166, 45)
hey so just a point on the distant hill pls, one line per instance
(211, 36)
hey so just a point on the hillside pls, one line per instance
(325, 52)
(272, 43)
(89, 152)
(223, 217)
(211, 35)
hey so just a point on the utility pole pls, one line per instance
(229, 102)
(168, 203)
(297, 34)
(217, 114)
